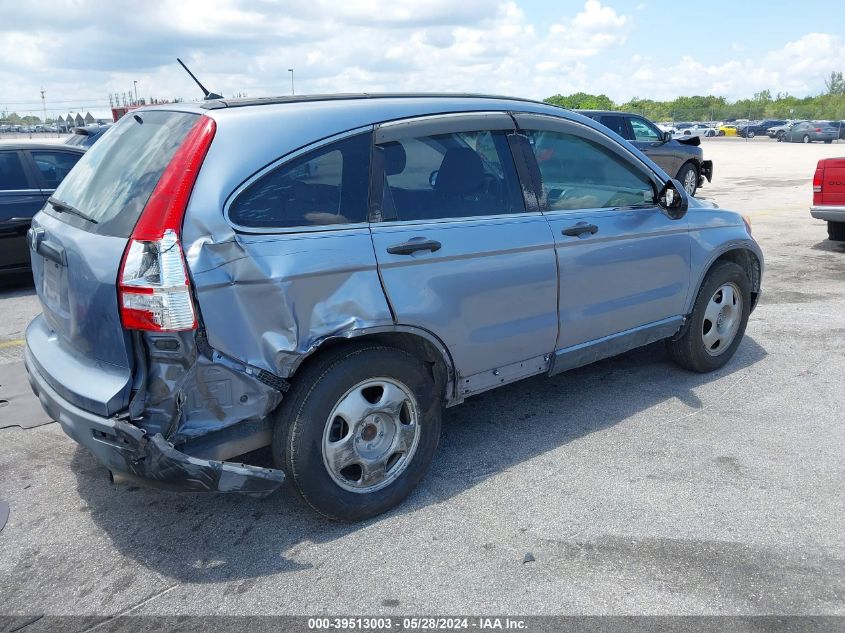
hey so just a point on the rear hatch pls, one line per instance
(77, 244)
(829, 182)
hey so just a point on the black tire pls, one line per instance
(805, 138)
(829, 142)
(780, 136)
(301, 422)
(683, 175)
(721, 133)
(836, 231)
(750, 134)
(689, 350)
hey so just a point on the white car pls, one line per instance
(698, 129)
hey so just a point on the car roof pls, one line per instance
(38, 145)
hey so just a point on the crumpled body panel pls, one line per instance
(270, 300)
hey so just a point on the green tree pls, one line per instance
(835, 84)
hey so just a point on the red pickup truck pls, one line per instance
(829, 196)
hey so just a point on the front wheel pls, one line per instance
(836, 231)
(688, 175)
(717, 322)
(358, 430)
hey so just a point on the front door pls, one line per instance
(457, 251)
(624, 265)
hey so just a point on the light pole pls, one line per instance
(290, 70)
(135, 83)
(44, 106)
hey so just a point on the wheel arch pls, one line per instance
(418, 342)
(745, 257)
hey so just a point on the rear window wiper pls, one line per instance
(64, 207)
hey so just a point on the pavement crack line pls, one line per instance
(132, 608)
(733, 386)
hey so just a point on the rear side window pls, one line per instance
(580, 174)
(327, 186)
(54, 166)
(12, 175)
(114, 179)
(618, 124)
(463, 174)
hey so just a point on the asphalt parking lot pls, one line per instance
(637, 487)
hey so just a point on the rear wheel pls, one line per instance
(688, 175)
(358, 429)
(829, 141)
(805, 138)
(836, 231)
(718, 320)
(750, 133)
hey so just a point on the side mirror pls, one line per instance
(673, 199)
(667, 136)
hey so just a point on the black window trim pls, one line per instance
(549, 123)
(445, 123)
(278, 164)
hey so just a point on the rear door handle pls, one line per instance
(413, 245)
(580, 228)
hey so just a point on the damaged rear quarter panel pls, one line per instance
(268, 300)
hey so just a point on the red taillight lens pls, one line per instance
(818, 129)
(153, 287)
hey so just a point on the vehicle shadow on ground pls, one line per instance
(199, 538)
(830, 246)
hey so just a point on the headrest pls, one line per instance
(461, 172)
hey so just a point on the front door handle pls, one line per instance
(582, 227)
(413, 245)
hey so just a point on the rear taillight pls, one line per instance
(818, 177)
(818, 129)
(153, 287)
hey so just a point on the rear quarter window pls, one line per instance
(327, 186)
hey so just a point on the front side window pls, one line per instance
(326, 186)
(644, 131)
(461, 174)
(54, 166)
(581, 174)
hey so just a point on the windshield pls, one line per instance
(114, 179)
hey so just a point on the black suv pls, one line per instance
(682, 159)
(755, 129)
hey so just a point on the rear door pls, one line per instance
(623, 264)
(457, 251)
(78, 343)
(20, 199)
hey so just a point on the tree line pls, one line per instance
(827, 106)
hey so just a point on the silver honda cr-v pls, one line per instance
(325, 274)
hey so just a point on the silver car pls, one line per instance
(324, 275)
(808, 132)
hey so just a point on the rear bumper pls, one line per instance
(830, 213)
(129, 452)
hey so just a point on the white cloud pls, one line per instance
(368, 45)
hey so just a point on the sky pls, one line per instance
(80, 51)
